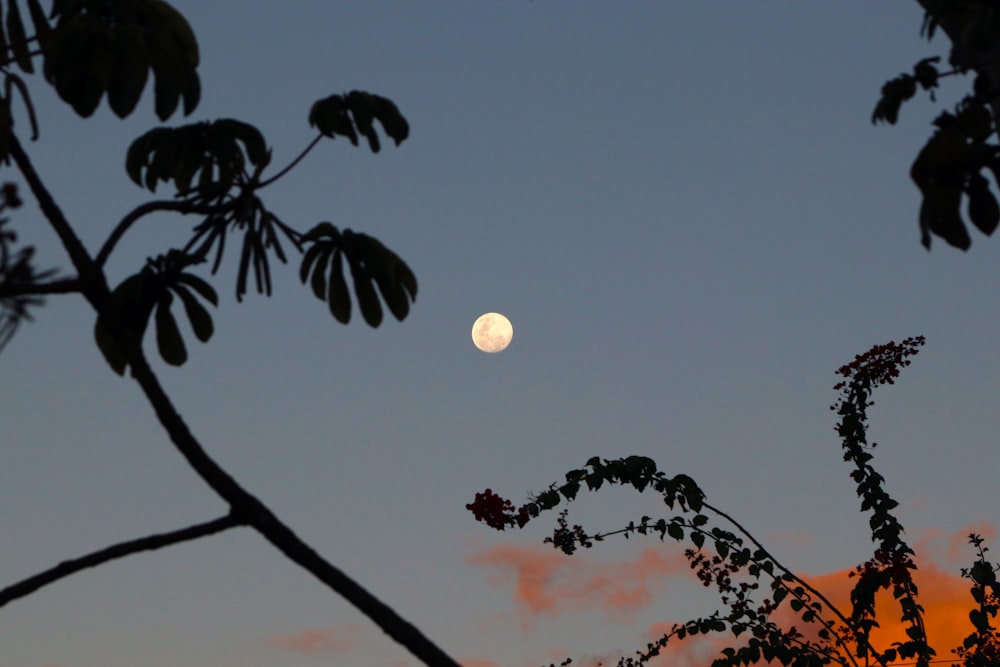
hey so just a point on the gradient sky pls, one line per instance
(688, 217)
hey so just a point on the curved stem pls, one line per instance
(120, 550)
(819, 595)
(185, 208)
(291, 165)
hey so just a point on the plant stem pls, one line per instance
(291, 165)
(120, 550)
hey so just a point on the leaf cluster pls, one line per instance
(99, 47)
(216, 152)
(355, 114)
(17, 273)
(953, 169)
(151, 293)
(374, 270)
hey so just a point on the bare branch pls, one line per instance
(120, 550)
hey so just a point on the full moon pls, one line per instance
(492, 332)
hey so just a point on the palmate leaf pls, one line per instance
(150, 293)
(217, 152)
(93, 49)
(375, 270)
(354, 114)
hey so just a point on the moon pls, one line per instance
(492, 332)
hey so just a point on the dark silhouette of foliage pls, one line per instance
(92, 49)
(725, 555)
(957, 161)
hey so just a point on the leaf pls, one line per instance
(894, 93)
(319, 282)
(169, 73)
(939, 215)
(129, 71)
(983, 209)
(41, 23)
(18, 41)
(109, 349)
(368, 302)
(338, 296)
(329, 116)
(5, 124)
(206, 291)
(308, 260)
(198, 316)
(253, 140)
(354, 113)
(168, 336)
(926, 73)
(3, 36)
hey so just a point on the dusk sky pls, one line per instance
(685, 212)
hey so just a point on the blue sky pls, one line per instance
(682, 208)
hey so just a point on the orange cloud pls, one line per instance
(335, 639)
(943, 594)
(548, 582)
(545, 582)
(478, 662)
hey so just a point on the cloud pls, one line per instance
(547, 582)
(335, 639)
(478, 662)
(943, 594)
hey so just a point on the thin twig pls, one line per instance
(182, 207)
(65, 286)
(291, 165)
(120, 550)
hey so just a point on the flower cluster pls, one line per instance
(880, 364)
(565, 538)
(496, 511)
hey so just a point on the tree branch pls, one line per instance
(291, 165)
(120, 550)
(260, 517)
(245, 506)
(182, 207)
(91, 279)
(65, 286)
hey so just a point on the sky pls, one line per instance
(688, 217)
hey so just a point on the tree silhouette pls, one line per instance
(955, 163)
(89, 50)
